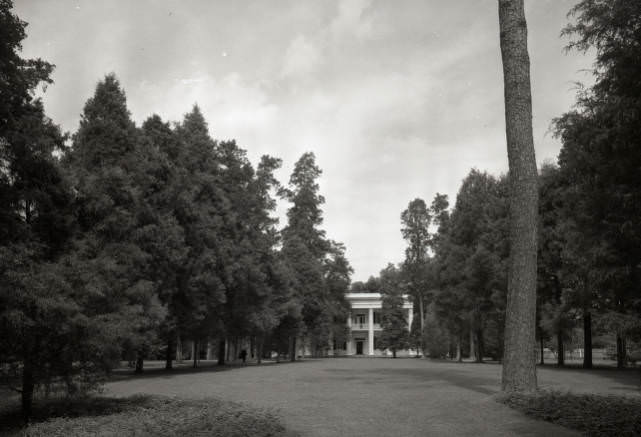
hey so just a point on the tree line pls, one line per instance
(126, 242)
(589, 222)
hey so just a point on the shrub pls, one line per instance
(595, 415)
(437, 341)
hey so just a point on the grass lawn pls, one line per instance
(594, 415)
(144, 416)
(347, 397)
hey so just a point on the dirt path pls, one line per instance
(376, 397)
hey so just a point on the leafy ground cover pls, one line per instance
(592, 414)
(144, 416)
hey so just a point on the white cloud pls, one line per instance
(351, 19)
(232, 106)
(302, 57)
(396, 99)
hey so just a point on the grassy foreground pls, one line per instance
(146, 416)
(594, 415)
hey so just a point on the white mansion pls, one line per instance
(364, 324)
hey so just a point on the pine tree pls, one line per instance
(309, 255)
(600, 158)
(45, 333)
(110, 268)
(202, 210)
(470, 262)
(159, 233)
(416, 220)
(394, 334)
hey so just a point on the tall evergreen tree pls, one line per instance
(416, 220)
(395, 332)
(251, 308)
(306, 250)
(203, 210)
(600, 155)
(160, 234)
(46, 335)
(110, 268)
(470, 260)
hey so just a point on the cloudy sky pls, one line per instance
(397, 99)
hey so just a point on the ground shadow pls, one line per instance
(628, 377)
(11, 419)
(459, 378)
(125, 373)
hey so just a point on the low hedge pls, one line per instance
(594, 415)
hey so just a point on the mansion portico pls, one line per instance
(364, 323)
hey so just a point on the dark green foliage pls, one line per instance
(594, 415)
(564, 273)
(395, 332)
(305, 215)
(416, 220)
(109, 164)
(319, 269)
(201, 208)
(106, 133)
(46, 335)
(373, 284)
(417, 272)
(337, 281)
(600, 156)
(470, 260)
(255, 295)
(437, 337)
(20, 77)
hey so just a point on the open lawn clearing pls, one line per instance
(379, 397)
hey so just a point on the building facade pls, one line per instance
(364, 324)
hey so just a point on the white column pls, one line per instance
(349, 334)
(370, 341)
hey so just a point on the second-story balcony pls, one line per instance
(365, 327)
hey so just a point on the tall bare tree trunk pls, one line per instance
(560, 349)
(292, 348)
(169, 355)
(194, 353)
(587, 339)
(519, 366)
(259, 349)
(472, 347)
(480, 347)
(28, 386)
(421, 308)
(212, 349)
(221, 351)
(542, 351)
(139, 363)
(621, 351)
(179, 349)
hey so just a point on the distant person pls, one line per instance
(243, 355)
